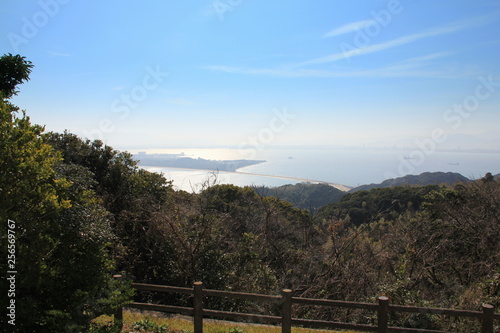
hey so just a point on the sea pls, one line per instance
(348, 167)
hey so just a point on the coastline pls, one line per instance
(305, 180)
(341, 187)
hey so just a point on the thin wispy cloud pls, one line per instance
(411, 67)
(381, 46)
(431, 56)
(407, 68)
(421, 66)
(352, 50)
(351, 27)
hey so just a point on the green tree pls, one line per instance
(14, 70)
(62, 233)
(133, 196)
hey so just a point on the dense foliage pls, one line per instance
(425, 178)
(304, 195)
(368, 206)
(14, 70)
(59, 236)
(445, 254)
(85, 211)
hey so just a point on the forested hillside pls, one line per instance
(84, 211)
(425, 178)
(304, 195)
(367, 206)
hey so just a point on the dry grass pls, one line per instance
(153, 322)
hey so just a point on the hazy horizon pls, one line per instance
(349, 167)
(219, 73)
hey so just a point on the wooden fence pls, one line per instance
(383, 308)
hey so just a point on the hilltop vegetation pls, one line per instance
(304, 195)
(363, 207)
(84, 211)
(426, 178)
(315, 196)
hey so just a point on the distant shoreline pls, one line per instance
(338, 186)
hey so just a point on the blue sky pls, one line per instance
(222, 73)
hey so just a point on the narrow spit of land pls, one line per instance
(183, 162)
(305, 180)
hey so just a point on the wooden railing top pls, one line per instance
(438, 311)
(487, 316)
(246, 296)
(160, 288)
(328, 302)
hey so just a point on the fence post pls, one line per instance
(383, 314)
(118, 316)
(198, 307)
(487, 318)
(286, 312)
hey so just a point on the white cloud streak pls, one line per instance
(407, 68)
(353, 51)
(381, 46)
(404, 69)
(354, 26)
(432, 56)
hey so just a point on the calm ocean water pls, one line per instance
(350, 167)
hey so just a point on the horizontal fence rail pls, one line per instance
(383, 308)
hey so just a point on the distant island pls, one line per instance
(184, 162)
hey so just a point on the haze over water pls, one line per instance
(350, 167)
